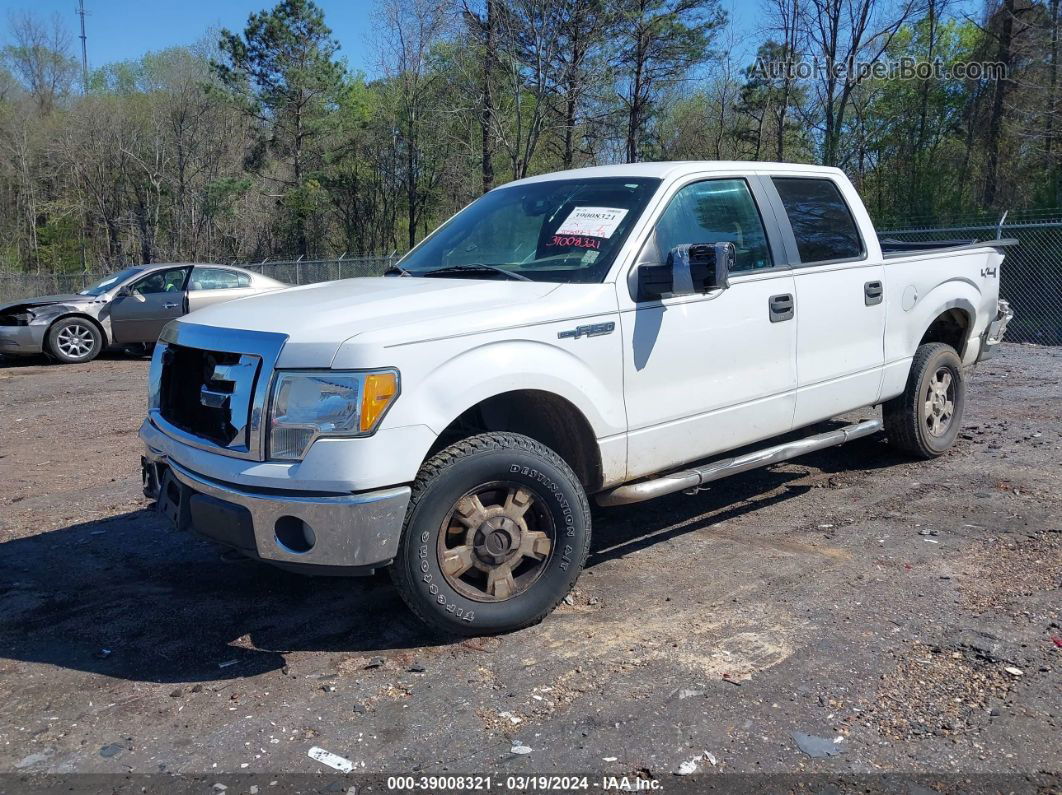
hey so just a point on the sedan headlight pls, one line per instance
(19, 317)
(310, 404)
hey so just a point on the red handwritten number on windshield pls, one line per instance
(576, 241)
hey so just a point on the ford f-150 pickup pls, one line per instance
(615, 333)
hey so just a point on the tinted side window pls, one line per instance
(716, 211)
(213, 279)
(821, 221)
(167, 281)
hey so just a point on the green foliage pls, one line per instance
(660, 42)
(919, 127)
(283, 72)
(284, 60)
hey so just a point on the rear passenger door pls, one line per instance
(210, 285)
(840, 300)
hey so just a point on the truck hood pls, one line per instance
(318, 318)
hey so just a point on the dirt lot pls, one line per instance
(907, 613)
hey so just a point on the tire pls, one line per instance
(925, 420)
(74, 340)
(484, 505)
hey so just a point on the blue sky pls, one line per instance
(119, 30)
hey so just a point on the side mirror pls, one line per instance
(691, 268)
(123, 292)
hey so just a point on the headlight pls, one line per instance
(307, 405)
(17, 318)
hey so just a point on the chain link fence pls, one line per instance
(322, 270)
(1031, 275)
(15, 286)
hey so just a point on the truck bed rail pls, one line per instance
(893, 249)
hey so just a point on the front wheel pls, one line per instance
(74, 340)
(497, 531)
(925, 420)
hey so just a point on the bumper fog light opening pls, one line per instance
(294, 535)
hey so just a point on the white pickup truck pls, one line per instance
(617, 332)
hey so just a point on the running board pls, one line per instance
(698, 476)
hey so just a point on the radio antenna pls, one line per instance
(80, 11)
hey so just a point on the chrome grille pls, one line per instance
(208, 393)
(208, 387)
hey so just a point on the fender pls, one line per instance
(50, 315)
(437, 396)
(906, 328)
(958, 293)
(492, 368)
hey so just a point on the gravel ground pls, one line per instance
(848, 613)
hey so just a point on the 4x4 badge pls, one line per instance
(594, 330)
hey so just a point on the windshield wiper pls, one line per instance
(396, 270)
(457, 269)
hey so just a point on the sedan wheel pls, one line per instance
(74, 340)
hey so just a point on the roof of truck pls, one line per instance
(677, 167)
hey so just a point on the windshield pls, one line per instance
(555, 231)
(110, 282)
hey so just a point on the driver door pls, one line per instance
(710, 372)
(150, 303)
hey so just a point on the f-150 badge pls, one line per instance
(595, 330)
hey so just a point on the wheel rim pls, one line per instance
(940, 402)
(75, 340)
(495, 542)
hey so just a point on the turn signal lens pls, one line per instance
(380, 389)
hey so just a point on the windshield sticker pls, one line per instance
(592, 222)
(575, 241)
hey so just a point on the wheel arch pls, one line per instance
(952, 327)
(542, 415)
(949, 320)
(84, 316)
(562, 398)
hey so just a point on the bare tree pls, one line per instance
(40, 58)
(662, 40)
(408, 31)
(846, 34)
(787, 18)
(530, 41)
(485, 27)
(584, 28)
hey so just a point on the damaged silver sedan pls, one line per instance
(126, 309)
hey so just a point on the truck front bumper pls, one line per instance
(330, 534)
(993, 335)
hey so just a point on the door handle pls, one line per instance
(781, 307)
(169, 306)
(872, 293)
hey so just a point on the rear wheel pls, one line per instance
(925, 420)
(497, 531)
(73, 340)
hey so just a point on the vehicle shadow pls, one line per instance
(129, 598)
(42, 360)
(624, 530)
